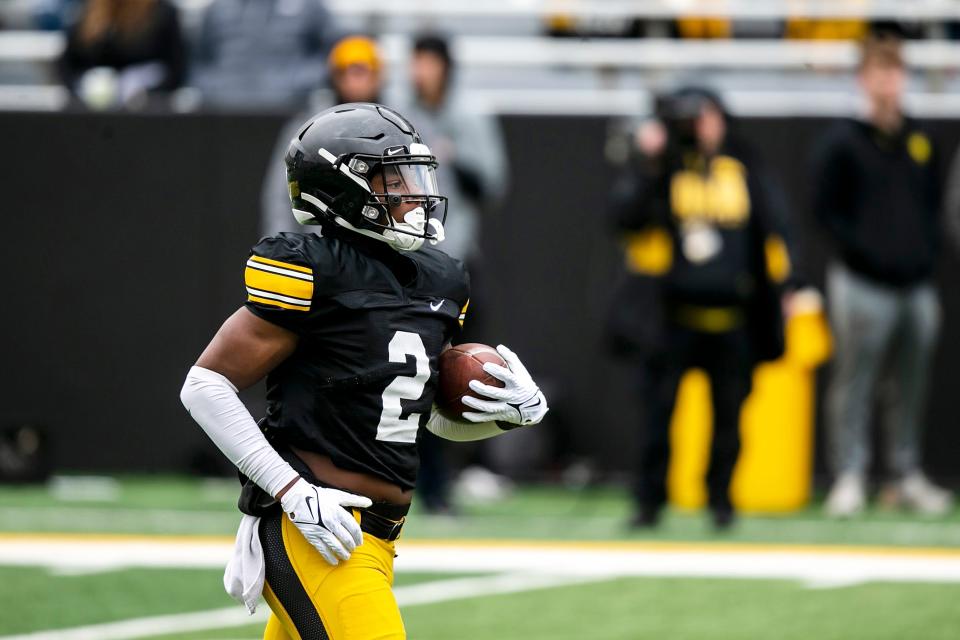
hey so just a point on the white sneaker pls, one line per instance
(847, 496)
(921, 495)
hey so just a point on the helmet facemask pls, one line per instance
(404, 206)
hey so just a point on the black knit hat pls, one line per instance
(435, 44)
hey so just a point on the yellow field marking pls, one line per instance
(691, 547)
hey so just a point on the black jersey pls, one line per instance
(372, 322)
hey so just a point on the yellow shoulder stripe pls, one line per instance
(279, 284)
(285, 265)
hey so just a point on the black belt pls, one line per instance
(374, 522)
(381, 519)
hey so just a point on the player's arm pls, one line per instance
(460, 430)
(519, 402)
(247, 348)
(243, 351)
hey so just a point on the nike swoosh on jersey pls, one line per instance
(436, 308)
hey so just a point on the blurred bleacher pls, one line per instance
(512, 60)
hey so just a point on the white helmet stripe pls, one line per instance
(332, 159)
(305, 217)
(360, 181)
(315, 201)
(326, 155)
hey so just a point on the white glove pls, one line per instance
(321, 518)
(519, 402)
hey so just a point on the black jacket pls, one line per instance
(160, 40)
(878, 197)
(644, 210)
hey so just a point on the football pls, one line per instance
(458, 366)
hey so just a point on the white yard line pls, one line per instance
(79, 554)
(459, 588)
(806, 565)
(431, 592)
(520, 566)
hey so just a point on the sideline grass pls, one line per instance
(185, 506)
(34, 599)
(624, 609)
(681, 609)
(639, 609)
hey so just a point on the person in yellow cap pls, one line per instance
(355, 75)
(355, 70)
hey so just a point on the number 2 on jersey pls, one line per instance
(392, 427)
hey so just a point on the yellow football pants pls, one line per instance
(312, 600)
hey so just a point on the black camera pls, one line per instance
(679, 112)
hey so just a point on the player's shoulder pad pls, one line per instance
(443, 275)
(280, 274)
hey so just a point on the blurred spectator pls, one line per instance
(262, 54)
(473, 175)
(118, 51)
(355, 76)
(468, 144)
(707, 263)
(817, 29)
(565, 25)
(878, 197)
(703, 28)
(56, 15)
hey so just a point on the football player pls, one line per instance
(347, 326)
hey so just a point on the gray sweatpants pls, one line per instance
(885, 338)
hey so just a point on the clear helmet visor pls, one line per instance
(406, 189)
(410, 182)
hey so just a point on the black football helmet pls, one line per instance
(356, 163)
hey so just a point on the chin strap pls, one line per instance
(381, 236)
(366, 232)
(397, 239)
(438, 232)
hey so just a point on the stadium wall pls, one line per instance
(126, 237)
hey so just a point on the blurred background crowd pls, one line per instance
(745, 189)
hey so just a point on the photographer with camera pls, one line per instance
(707, 267)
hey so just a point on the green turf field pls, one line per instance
(47, 593)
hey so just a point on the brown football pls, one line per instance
(458, 366)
